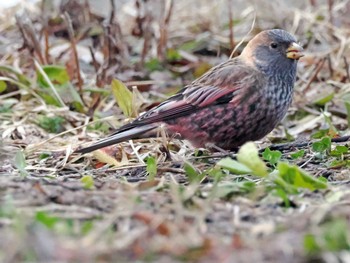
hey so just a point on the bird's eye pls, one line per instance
(274, 45)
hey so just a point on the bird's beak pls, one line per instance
(295, 51)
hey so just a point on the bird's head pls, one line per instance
(273, 50)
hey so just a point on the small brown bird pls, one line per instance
(237, 101)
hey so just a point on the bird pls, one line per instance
(239, 100)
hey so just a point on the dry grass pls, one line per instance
(70, 208)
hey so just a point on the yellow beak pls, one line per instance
(295, 51)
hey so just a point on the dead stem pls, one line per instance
(75, 53)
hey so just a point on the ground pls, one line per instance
(282, 199)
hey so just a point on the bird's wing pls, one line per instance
(220, 85)
(229, 82)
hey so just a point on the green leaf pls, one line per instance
(229, 189)
(57, 75)
(51, 124)
(323, 145)
(123, 96)
(339, 150)
(336, 234)
(20, 163)
(43, 156)
(192, 45)
(153, 65)
(271, 156)
(322, 101)
(249, 156)
(59, 78)
(46, 220)
(3, 86)
(172, 55)
(293, 175)
(310, 244)
(99, 126)
(151, 167)
(282, 193)
(87, 181)
(320, 134)
(330, 236)
(233, 166)
(298, 154)
(192, 174)
(86, 227)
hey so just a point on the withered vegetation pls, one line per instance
(161, 200)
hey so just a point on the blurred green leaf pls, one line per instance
(339, 163)
(322, 101)
(330, 236)
(249, 156)
(229, 189)
(234, 166)
(283, 195)
(310, 244)
(3, 86)
(87, 181)
(46, 219)
(191, 46)
(322, 145)
(86, 227)
(271, 156)
(99, 126)
(202, 68)
(57, 75)
(51, 124)
(295, 176)
(172, 55)
(20, 163)
(339, 150)
(59, 78)
(123, 96)
(298, 154)
(153, 65)
(151, 167)
(192, 174)
(43, 156)
(320, 134)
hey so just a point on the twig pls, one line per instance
(314, 76)
(75, 52)
(163, 29)
(244, 38)
(230, 17)
(330, 7)
(331, 71)
(29, 36)
(287, 146)
(94, 61)
(346, 68)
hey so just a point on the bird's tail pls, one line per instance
(132, 133)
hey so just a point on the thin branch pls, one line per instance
(244, 38)
(75, 52)
(231, 24)
(314, 76)
(347, 68)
